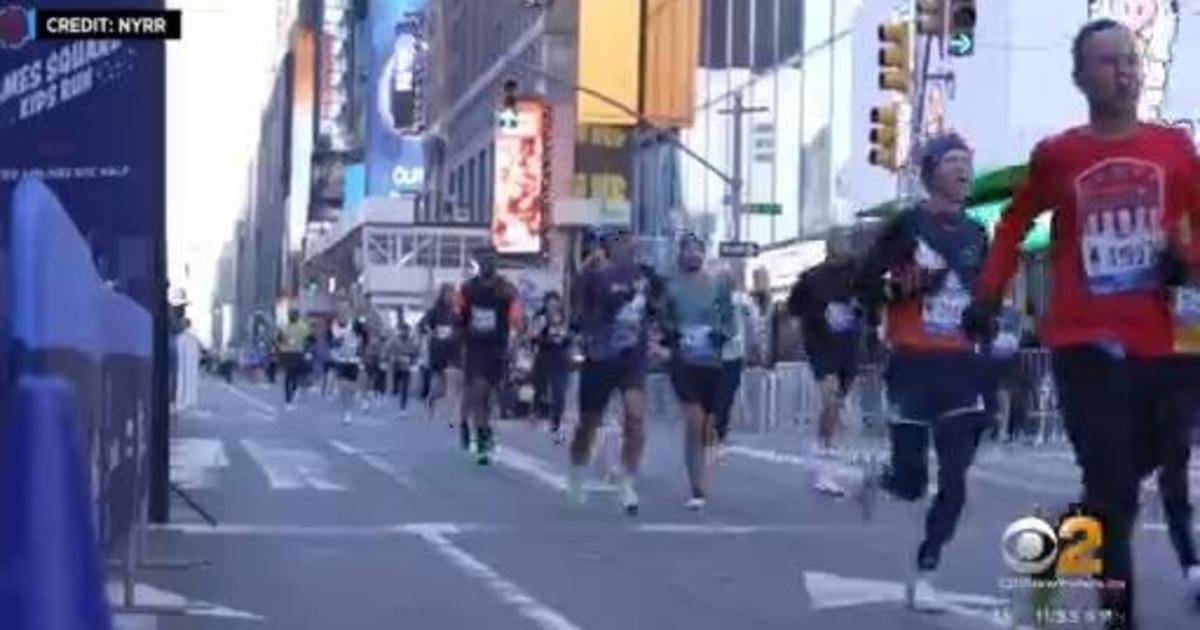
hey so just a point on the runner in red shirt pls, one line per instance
(1115, 187)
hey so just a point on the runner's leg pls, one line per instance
(1096, 397)
(955, 441)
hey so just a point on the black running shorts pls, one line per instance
(696, 384)
(598, 380)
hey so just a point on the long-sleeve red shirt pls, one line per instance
(1116, 204)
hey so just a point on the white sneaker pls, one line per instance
(628, 497)
(575, 491)
(826, 484)
(289, 407)
(346, 419)
(1193, 584)
(695, 504)
(922, 596)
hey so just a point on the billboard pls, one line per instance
(521, 179)
(304, 71)
(82, 196)
(395, 158)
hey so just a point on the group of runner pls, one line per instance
(1123, 329)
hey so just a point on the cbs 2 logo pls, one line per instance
(1031, 546)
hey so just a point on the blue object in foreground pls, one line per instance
(50, 571)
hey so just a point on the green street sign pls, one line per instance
(962, 45)
(773, 209)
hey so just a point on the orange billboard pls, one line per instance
(521, 179)
(609, 51)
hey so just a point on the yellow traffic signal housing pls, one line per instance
(895, 57)
(885, 137)
(931, 17)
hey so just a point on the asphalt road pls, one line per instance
(387, 524)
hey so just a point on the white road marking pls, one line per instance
(310, 531)
(717, 529)
(541, 470)
(288, 467)
(251, 400)
(194, 462)
(827, 591)
(147, 595)
(261, 416)
(374, 461)
(197, 413)
(522, 602)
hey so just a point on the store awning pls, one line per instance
(991, 194)
(988, 214)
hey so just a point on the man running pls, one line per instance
(490, 320)
(614, 305)
(346, 357)
(440, 327)
(823, 299)
(293, 345)
(1116, 185)
(923, 267)
(698, 319)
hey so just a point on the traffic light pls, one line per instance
(506, 118)
(895, 57)
(962, 27)
(931, 17)
(885, 137)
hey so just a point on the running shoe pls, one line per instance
(827, 485)
(575, 492)
(921, 596)
(628, 496)
(695, 504)
(868, 492)
(483, 446)
(464, 436)
(346, 419)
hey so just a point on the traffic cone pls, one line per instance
(47, 543)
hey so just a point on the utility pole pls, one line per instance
(737, 183)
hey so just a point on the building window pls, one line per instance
(450, 252)
(425, 251)
(381, 249)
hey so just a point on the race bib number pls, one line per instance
(942, 311)
(444, 332)
(696, 342)
(1120, 214)
(1187, 305)
(483, 321)
(1187, 320)
(628, 323)
(840, 317)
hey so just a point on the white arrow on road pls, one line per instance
(828, 591)
(151, 596)
(195, 462)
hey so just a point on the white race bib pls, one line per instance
(840, 317)
(942, 311)
(1187, 306)
(444, 333)
(1120, 221)
(483, 321)
(696, 342)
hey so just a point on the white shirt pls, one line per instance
(345, 343)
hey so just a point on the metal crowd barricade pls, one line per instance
(70, 324)
(1041, 396)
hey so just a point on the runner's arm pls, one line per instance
(893, 248)
(1004, 254)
